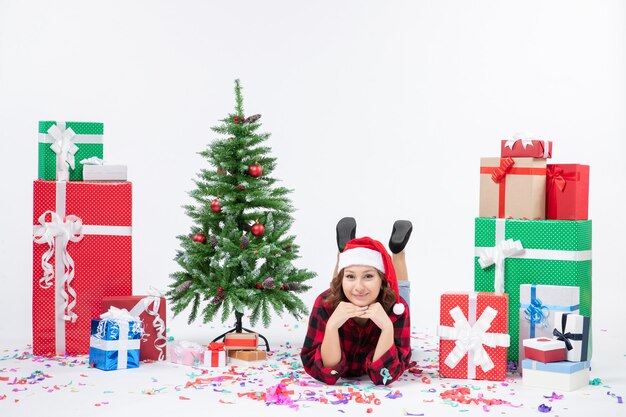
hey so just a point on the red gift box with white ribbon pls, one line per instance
(473, 335)
(151, 311)
(82, 252)
(526, 147)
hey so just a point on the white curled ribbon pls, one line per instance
(63, 146)
(472, 339)
(61, 232)
(526, 140)
(151, 305)
(496, 255)
(94, 160)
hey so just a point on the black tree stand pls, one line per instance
(240, 329)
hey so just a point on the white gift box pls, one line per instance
(576, 329)
(556, 376)
(538, 306)
(215, 358)
(104, 172)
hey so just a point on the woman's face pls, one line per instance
(361, 284)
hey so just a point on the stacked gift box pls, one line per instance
(533, 242)
(532, 265)
(82, 254)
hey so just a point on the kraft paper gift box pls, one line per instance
(513, 188)
(115, 339)
(553, 253)
(466, 317)
(574, 331)
(567, 192)
(526, 148)
(248, 355)
(151, 311)
(544, 350)
(241, 341)
(82, 252)
(555, 376)
(538, 306)
(63, 144)
(215, 355)
(186, 353)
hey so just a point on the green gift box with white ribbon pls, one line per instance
(62, 145)
(512, 252)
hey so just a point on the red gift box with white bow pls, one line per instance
(82, 252)
(151, 311)
(473, 335)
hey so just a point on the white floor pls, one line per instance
(68, 387)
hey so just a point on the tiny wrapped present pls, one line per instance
(513, 188)
(567, 192)
(82, 252)
(574, 331)
(115, 339)
(63, 144)
(241, 341)
(544, 350)
(554, 253)
(473, 335)
(186, 353)
(95, 169)
(151, 311)
(538, 306)
(527, 147)
(556, 376)
(248, 355)
(215, 355)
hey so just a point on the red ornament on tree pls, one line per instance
(215, 206)
(259, 286)
(255, 170)
(257, 229)
(240, 187)
(199, 237)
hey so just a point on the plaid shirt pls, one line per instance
(357, 348)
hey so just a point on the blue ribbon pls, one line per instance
(534, 313)
(537, 313)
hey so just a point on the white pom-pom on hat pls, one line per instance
(398, 308)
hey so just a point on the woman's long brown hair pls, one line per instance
(386, 297)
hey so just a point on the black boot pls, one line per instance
(400, 235)
(346, 230)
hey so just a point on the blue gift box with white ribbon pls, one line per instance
(115, 340)
(538, 307)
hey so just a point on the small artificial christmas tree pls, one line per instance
(239, 255)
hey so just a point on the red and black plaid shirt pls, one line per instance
(357, 347)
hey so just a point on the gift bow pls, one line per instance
(497, 255)
(63, 146)
(566, 337)
(216, 346)
(534, 313)
(154, 300)
(556, 177)
(471, 339)
(62, 232)
(504, 168)
(526, 140)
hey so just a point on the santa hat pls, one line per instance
(369, 252)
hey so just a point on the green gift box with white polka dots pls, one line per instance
(556, 252)
(88, 139)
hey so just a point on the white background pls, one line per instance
(377, 110)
